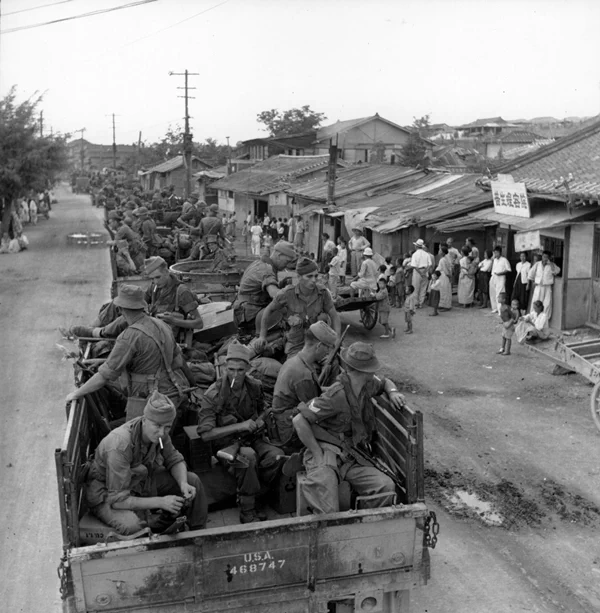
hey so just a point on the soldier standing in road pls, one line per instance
(259, 285)
(146, 350)
(232, 408)
(136, 469)
(342, 418)
(305, 303)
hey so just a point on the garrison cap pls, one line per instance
(151, 264)
(130, 297)
(324, 333)
(159, 408)
(285, 248)
(305, 266)
(237, 351)
(361, 357)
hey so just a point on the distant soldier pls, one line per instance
(211, 233)
(147, 230)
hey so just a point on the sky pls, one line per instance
(455, 60)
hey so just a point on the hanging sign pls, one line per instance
(528, 241)
(510, 199)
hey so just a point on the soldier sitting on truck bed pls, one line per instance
(211, 236)
(231, 414)
(338, 421)
(136, 470)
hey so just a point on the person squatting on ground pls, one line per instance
(534, 326)
(343, 416)
(410, 306)
(136, 470)
(232, 415)
(305, 303)
(384, 308)
(298, 381)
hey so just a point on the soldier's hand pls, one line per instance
(249, 425)
(260, 344)
(172, 504)
(397, 399)
(72, 396)
(188, 491)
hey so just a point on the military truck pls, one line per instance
(356, 560)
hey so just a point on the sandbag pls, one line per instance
(203, 372)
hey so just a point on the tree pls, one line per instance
(292, 121)
(421, 124)
(28, 161)
(414, 152)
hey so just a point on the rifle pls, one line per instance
(329, 363)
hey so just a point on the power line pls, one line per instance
(91, 14)
(137, 40)
(34, 8)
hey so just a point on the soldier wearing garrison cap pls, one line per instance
(304, 303)
(298, 381)
(136, 469)
(259, 285)
(146, 350)
(233, 406)
(343, 414)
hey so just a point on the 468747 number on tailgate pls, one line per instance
(257, 562)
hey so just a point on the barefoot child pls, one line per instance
(434, 292)
(384, 309)
(410, 307)
(509, 317)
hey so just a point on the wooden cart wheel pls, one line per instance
(595, 405)
(368, 316)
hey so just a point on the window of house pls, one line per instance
(230, 194)
(392, 159)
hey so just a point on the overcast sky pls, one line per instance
(457, 60)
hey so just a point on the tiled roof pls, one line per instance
(174, 163)
(343, 126)
(487, 121)
(355, 180)
(522, 137)
(273, 174)
(577, 154)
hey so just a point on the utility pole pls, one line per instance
(81, 152)
(228, 157)
(41, 124)
(114, 147)
(332, 171)
(138, 156)
(187, 136)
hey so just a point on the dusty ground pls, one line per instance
(519, 446)
(47, 286)
(500, 431)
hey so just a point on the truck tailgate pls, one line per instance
(302, 562)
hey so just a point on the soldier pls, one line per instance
(338, 420)
(259, 285)
(210, 230)
(305, 303)
(233, 408)
(147, 230)
(129, 244)
(146, 350)
(298, 381)
(136, 469)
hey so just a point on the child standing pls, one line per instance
(434, 292)
(391, 285)
(410, 308)
(384, 309)
(510, 317)
(400, 285)
(335, 272)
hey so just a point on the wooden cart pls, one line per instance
(368, 307)
(582, 357)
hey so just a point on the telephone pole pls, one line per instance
(114, 143)
(187, 136)
(81, 153)
(41, 124)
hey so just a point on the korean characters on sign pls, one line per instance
(510, 199)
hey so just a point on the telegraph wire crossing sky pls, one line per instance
(457, 61)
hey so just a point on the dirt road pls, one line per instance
(47, 286)
(511, 451)
(512, 468)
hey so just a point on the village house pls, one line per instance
(488, 126)
(502, 146)
(172, 172)
(563, 188)
(259, 149)
(83, 155)
(261, 188)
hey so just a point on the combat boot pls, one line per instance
(247, 510)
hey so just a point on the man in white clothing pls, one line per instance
(542, 274)
(500, 268)
(367, 275)
(420, 262)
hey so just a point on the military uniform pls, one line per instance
(253, 296)
(297, 382)
(148, 353)
(302, 311)
(209, 229)
(344, 417)
(222, 406)
(124, 466)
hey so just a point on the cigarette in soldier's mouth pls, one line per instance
(160, 442)
(232, 382)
